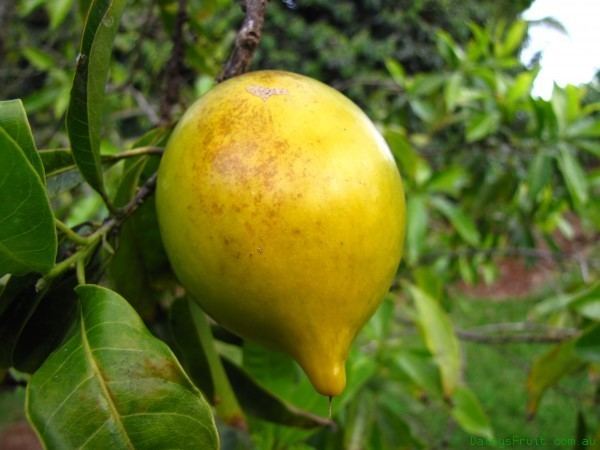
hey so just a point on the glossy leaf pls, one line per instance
(84, 117)
(547, 370)
(461, 222)
(14, 121)
(439, 337)
(27, 233)
(469, 414)
(587, 346)
(114, 385)
(573, 175)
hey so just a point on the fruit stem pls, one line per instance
(226, 403)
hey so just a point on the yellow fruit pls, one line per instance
(282, 212)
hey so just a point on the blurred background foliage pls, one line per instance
(492, 328)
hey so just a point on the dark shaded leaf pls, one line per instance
(84, 116)
(588, 345)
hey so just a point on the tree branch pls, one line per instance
(518, 332)
(175, 65)
(247, 39)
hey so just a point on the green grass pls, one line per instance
(498, 375)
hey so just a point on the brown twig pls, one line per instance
(246, 40)
(519, 332)
(175, 65)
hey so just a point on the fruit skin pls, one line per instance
(282, 213)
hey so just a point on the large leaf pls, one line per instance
(114, 385)
(469, 414)
(14, 121)
(84, 117)
(27, 233)
(461, 222)
(439, 337)
(547, 370)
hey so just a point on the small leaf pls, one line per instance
(452, 91)
(587, 346)
(57, 161)
(450, 180)
(420, 369)
(396, 71)
(573, 175)
(38, 59)
(58, 10)
(481, 125)
(84, 116)
(14, 121)
(425, 84)
(416, 228)
(576, 299)
(114, 385)
(514, 38)
(439, 337)
(469, 414)
(27, 233)
(584, 128)
(462, 223)
(540, 171)
(547, 370)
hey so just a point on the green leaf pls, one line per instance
(462, 223)
(579, 298)
(403, 151)
(416, 228)
(449, 180)
(469, 414)
(540, 171)
(425, 84)
(38, 59)
(14, 121)
(514, 38)
(590, 146)
(27, 233)
(58, 10)
(585, 128)
(420, 369)
(114, 385)
(521, 87)
(439, 337)
(481, 125)
(396, 71)
(547, 370)
(588, 345)
(452, 90)
(84, 116)
(57, 161)
(573, 175)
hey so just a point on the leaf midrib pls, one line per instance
(98, 373)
